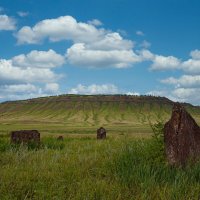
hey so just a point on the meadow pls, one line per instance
(128, 165)
(83, 168)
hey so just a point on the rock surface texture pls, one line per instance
(25, 136)
(181, 137)
(101, 133)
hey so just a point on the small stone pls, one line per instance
(181, 137)
(101, 133)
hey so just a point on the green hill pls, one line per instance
(84, 113)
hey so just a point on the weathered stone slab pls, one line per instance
(101, 133)
(25, 136)
(181, 137)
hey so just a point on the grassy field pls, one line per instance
(128, 165)
(83, 168)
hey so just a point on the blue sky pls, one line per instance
(94, 47)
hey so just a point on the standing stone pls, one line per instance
(25, 136)
(181, 137)
(101, 133)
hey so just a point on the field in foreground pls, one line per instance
(83, 168)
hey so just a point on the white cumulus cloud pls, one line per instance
(184, 81)
(39, 59)
(111, 41)
(133, 93)
(95, 22)
(8, 72)
(160, 62)
(20, 88)
(7, 23)
(195, 54)
(92, 46)
(61, 28)
(79, 55)
(67, 28)
(187, 95)
(52, 88)
(192, 65)
(29, 76)
(94, 89)
(165, 62)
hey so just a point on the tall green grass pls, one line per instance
(84, 168)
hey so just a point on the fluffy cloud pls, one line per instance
(165, 63)
(111, 41)
(192, 65)
(29, 76)
(187, 86)
(91, 44)
(22, 91)
(62, 28)
(179, 94)
(20, 75)
(20, 88)
(94, 89)
(10, 73)
(133, 93)
(186, 81)
(165, 93)
(79, 55)
(19, 91)
(67, 28)
(161, 62)
(52, 88)
(187, 95)
(195, 54)
(146, 55)
(7, 23)
(93, 47)
(39, 59)
(95, 22)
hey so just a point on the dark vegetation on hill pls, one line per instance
(98, 98)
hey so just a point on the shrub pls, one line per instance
(158, 131)
(157, 144)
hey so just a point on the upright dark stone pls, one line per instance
(181, 137)
(101, 133)
(25, 136)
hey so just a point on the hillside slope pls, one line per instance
(88, 111)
